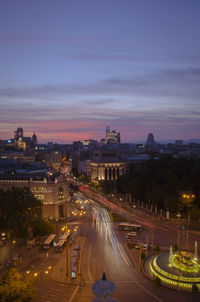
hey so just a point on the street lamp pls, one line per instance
(67, 234)
(189, 199)
(179, 215)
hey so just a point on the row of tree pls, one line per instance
(163, 182)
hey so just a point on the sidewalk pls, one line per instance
(59, 272)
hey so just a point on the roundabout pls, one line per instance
(179, 270)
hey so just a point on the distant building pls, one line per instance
(53, 159)
(34, 140)
(19, 133)
(178, 142)
(20, 155)
(84, 166)
(150, 143)
(112, 137)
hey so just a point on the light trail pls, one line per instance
(105, 228)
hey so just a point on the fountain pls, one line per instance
(180, 269)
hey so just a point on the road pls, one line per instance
(104, 252)
(164, 234)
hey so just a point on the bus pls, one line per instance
(64, 236)
(60, 246)
(48, 242)
(130, 227)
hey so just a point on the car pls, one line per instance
(145, 247)
(137, 245)
(132, 234)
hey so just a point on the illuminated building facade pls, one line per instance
(112, 137)
(108, 171)
(54, 195)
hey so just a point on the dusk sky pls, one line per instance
(68, 69)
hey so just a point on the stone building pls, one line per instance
(54, 195)
(108, 170)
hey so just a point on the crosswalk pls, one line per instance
(52, 291)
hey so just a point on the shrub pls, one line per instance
(195, 288)
(157, 280)
(143, 256)
(157, 248)
(176, 247)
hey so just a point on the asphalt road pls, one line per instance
(104, 251)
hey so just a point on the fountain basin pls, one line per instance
(179, 270)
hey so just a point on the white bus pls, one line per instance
(64, 236)
(124, 226)
(48, 242)
(60, 246)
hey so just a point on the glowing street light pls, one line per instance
(179, 215)
(189, 199)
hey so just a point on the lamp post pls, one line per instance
(189, 199)
(179, 215)
(67, 233)
(13, 242)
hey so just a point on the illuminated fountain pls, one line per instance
(180, 269)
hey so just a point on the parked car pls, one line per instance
(132, 234)
(145, 247)
(137, 245)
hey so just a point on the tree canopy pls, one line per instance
(18, 210)
(15, 288)
(163, 182)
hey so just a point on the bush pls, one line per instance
(157, 280)
(176, 247)
(157, 248)
(195, 288)
(143, 256)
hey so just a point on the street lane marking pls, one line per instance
(126, 259)
(148, 291)
(118, 281)
(90, 249)
(72, 297)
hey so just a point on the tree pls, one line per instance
(42, 228)
(161, 182)
(16, 289)
(19, 208)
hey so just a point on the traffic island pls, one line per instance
(179, 270)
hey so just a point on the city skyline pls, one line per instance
(70, 70)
